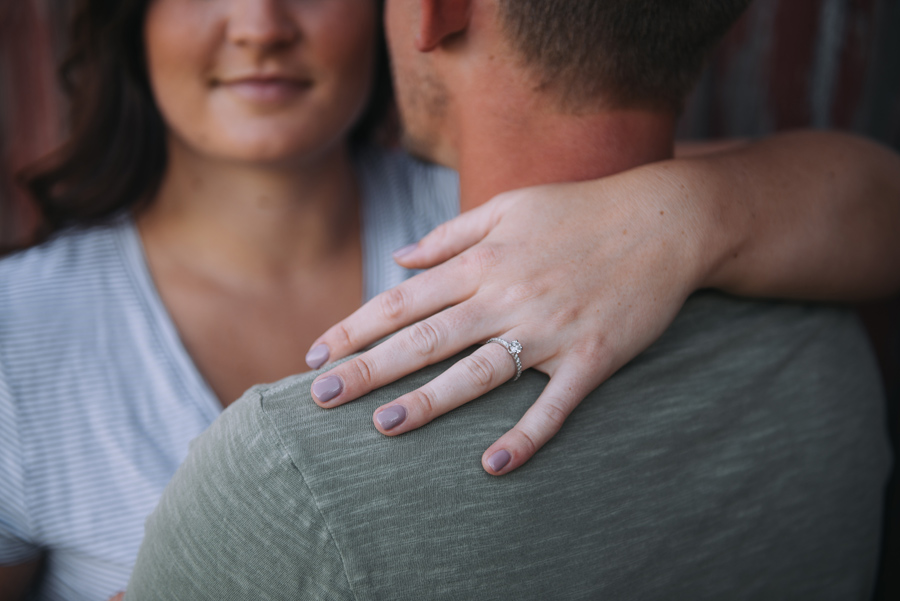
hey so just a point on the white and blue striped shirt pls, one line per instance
(98, 397)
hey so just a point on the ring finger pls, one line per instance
(469, 378)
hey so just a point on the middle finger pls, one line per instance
(421, 344)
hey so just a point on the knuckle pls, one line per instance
(364, 371)
(521, 292)
(554, 415)
(425, 400)
(564, 316)
(482, 259)
(425, 338)
(343, 336)
(480, 371)
(508, 197)
(394, 303)
(591, 350)
(440, 234)
(527, 443)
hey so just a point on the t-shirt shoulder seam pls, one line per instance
(274, 432)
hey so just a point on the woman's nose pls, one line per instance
(261, 23)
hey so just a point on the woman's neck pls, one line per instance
(252, 261)
(242, 221)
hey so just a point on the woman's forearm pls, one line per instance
(805, 215)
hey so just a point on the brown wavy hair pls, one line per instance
(115, 155)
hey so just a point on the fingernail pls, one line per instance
(498, 460)
(391, 417)
(317, 356)
(327, 388)
(405, 250)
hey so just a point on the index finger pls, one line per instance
(415, 299)
(453, 237)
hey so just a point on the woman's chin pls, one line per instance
(265, 151)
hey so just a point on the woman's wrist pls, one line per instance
(713, 222)
(720, 191)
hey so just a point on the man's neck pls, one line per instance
(498, 152)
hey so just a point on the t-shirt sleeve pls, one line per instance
(16, 545)
(237, 521)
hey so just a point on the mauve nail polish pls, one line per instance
(327, 388)
(317, 356)
(391, 417)
(404, 250)
(498, 460)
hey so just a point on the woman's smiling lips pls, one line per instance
(265, 89)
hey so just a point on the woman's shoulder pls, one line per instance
(64, 270)
(69, 248)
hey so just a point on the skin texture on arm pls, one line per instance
(588, 275)
(812, 215)
(15, 581)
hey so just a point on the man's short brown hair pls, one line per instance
(621, 53)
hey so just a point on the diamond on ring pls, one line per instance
(513, 348)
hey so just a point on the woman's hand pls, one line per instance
(584, 276)
(588, 275)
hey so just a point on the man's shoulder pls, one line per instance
(749, 336)
(719, 353)
(721, 357)
(740, 434)
(808, 361)
(322, 442)
(237, 521)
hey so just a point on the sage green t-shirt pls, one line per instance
(743, 456)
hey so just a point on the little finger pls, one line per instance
(541, 422)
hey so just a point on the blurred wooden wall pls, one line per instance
(786, 64)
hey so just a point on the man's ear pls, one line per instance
(440, 20)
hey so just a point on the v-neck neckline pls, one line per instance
(193, 381)
(378, 272)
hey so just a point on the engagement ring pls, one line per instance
(513, 348)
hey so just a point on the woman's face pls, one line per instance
(261, 80)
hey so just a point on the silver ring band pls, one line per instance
(513, 348)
